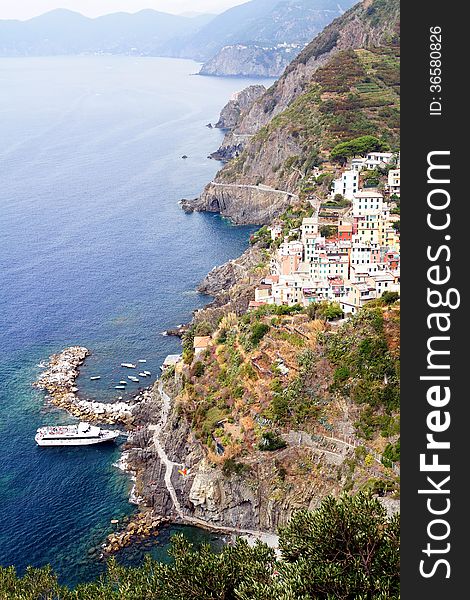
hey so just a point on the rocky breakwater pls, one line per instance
(59, 380)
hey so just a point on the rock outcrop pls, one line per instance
(239, 103)
(257, 500)
(242, 204)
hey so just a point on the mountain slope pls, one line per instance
(66, 32)
(343, 85)
(369, 24)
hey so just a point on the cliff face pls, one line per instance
(243, 204)
(266, 23)
(343, 85)
(242, 60)
(241, 101)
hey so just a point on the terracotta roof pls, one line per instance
(202, 341)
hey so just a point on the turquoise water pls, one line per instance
(94, 250)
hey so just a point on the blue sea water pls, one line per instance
(94, 250)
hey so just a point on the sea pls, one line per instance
(95, 251)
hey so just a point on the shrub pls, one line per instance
(199, 369)
(258, 331)
(390, 297)
(232, 467)
(391, 454)
(270, 441)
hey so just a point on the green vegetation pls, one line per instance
(270, 442)
(328, 231)
(258, 331)
(298, 402)
(391, 454)
(232, 467)
(390, 297)
(261, 237)
(359, 146)
(365, 352)
(347, 548)
(326, 311)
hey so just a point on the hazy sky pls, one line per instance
(25, 9)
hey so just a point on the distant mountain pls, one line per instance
(264, 22)
(65, 32)
(258, 38)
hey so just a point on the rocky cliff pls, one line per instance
(243, 204)
(232, 112)
(369, 24)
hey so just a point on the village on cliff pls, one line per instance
(359, 258)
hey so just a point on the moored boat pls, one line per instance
(128, 365)
(82, 434)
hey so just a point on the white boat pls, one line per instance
(142, 360)
(128, 365)
(119, 387)
(82, 434)
(123, 382)
(148, 373)
(142, 374)
(132, 378)
(95, 377)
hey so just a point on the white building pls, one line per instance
(394, 181)
(357, 164)
(309, 227)
(378, 159)
(347, 185)
(367, 202)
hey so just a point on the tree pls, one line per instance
(346, 549)
(359, 146)
(258, 331)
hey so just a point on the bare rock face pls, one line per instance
(242, 204)
(239, 103)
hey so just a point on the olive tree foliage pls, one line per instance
(345, 550)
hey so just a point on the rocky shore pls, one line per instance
(142, 526)
(59, 380)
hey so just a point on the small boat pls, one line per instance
(128, 365)
(148, 373)
(132, 378)
(119, 387)
(142, 375)
(95, 377)
(123, 383)
(142, 360)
